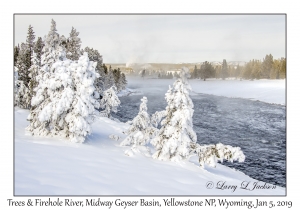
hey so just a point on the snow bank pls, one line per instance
(270, 91)
(52, 166)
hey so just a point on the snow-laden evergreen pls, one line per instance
(38, 48)
(30, 41)
(109, 80)
(211, 154)
(123, 81)
(34, 74)
(176, 134)
(64, 104)
(52, 50)
(22, 95)
(141, 130)
(73, 45)
(109, 102)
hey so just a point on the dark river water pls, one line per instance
(258, 128)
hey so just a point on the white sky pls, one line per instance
(167, 38)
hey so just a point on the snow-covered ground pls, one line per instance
(53, 166)
(270, 91)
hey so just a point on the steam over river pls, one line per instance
(258, 128)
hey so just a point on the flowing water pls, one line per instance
(258, 128)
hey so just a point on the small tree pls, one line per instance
(38, 47)
(224, 71)
(123, 81)
(30, 42)
(206, 71)
(52, 51)
(34, 73)
(16, 53)
(109, 80)
(176, 134)
(73, 45)
(109, 102)
(266, 67)
(141, 130)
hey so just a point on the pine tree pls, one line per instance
(123, 81)
(206, 70)
(95, 56)
(282, 73)
(267, 65)
(109, 80)
(23, 64)
(30, 43)
(34, 74)
(52, 51)
(22, 95)
(141, 130)
(64, 104)
(195, 73)
(16, 54)
(38, 47)
(176, 134)
(109, 102)
(63, 42)
(224, 70)
(73, 45)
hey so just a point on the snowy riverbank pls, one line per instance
(270, 91)
(53, 166)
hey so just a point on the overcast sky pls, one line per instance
(167, 38)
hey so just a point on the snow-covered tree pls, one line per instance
(16, 54)
(141, 130)
(30, 41)
(109, 80)
(73, 45)
(109, 102)
(117, 78)
(52, 51)
(22, 95)
(38, 47)
(176, 134)
(34, 74)
(123, 81)
(95, 56)
(64, 103)
(211, 154)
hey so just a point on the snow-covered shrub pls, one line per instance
(211, 154)
(64, 103)
(140, 131)
(114, 137)
(109, 102)
(176, 134)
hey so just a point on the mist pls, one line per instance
(167, 38)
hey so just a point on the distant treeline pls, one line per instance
(268, 68)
